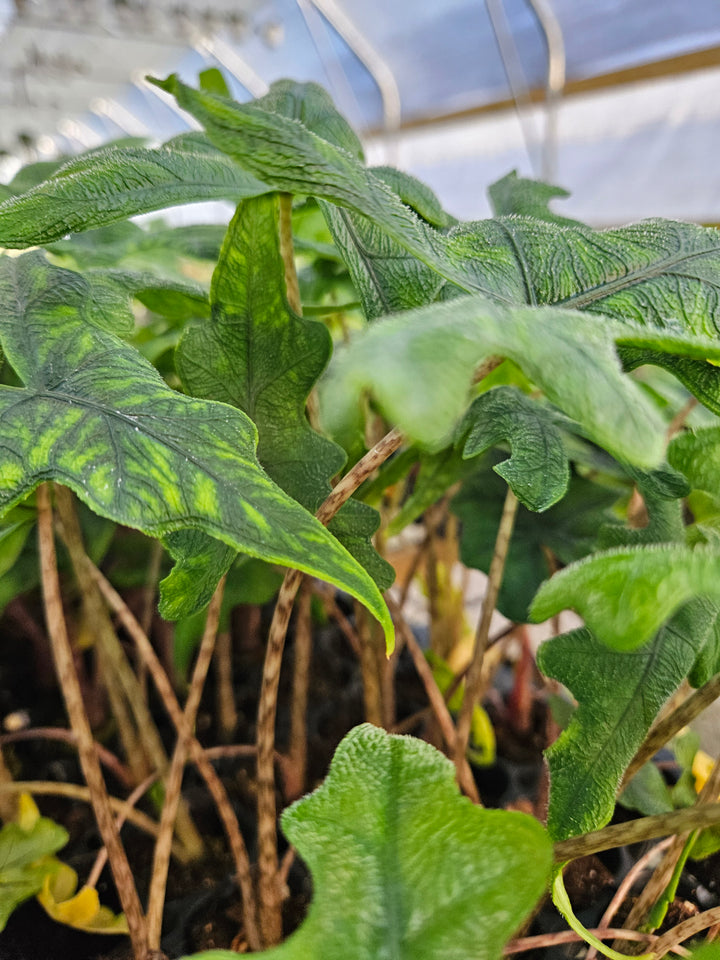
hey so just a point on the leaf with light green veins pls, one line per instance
(538, 471)
(402, 865)
(516, 196)
(257, 355)
(116, 183)
(96, 417)
(419, 366)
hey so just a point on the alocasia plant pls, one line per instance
(501, 352)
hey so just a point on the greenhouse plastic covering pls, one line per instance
(453, 91)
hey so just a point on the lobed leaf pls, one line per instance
(291, 158)
(95, 416)
(619, 696)
(402, 865)
(537, 471)
(517, 196)
(257, 355)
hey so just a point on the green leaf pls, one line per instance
(213, 81)
(403, 866)
(291, 158)
(257, 355)
(538, 471)
(313, 107)
(516, 196)
(386, 276)
(620, 695)
(22, 870)
(116, 183)
(626, 595)
(569, 530)
(415, 194)
(647, 792)
(95, 416)
(697, 455)
(419, 366)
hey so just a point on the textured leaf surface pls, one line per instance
(419, 366)
(291, 158)
(569, 530)
(257, 355)
(697, 455)
(538, 471)
(98, 418)
(620, 694)
(116, 183)
(404, 867)
(626, 595)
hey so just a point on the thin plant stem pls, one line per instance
(544, 940)
(72, 695)
(173, 782)
(683, 931)
(268, 888)
(287, 253)
(106, 757)
(636, 831)
(664, 731)
(661, 877)
(437, 700)
(120, 819)
(149, 752)
(73, 791)
(212, 780)
(623, 890)
(372, 691)
(227, 716)
(474, 677)
(8, 801)
(296, 763)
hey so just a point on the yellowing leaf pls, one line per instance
(701, 766)
(81, 910)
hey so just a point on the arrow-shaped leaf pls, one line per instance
(402, 865)
(98, 418)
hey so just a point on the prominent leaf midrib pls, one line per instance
(650, 662)
(366, 258)
(635, 277)
(521, 261)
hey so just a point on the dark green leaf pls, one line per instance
(538, 470)
(96, 417)
(569, 530)
(403, 866)
(620, 695)
(257, 355)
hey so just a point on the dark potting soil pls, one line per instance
(202, 908)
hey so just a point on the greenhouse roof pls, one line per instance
(616, 100)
